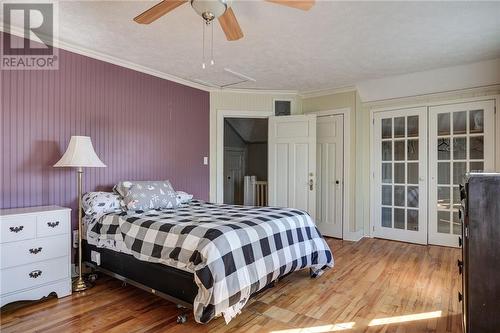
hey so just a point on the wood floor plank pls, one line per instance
(374, 286)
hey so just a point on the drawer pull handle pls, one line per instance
(460, 297)
(35, 251)
(459, 241)
(53, 224)
(460, 265)
(16, 229)
(35, 274)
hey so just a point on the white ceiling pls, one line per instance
(336, 44)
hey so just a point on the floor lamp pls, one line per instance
(80, 154)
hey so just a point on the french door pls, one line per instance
(461, 139)
(400, 174)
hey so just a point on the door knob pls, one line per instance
(337, 182)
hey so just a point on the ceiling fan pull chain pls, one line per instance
(212, 61)
(203, 65)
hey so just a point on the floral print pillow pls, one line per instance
(96, 203)
(146, 195)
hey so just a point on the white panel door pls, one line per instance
(461, 139)
(292, 162)
(400, 175)
(330, 174)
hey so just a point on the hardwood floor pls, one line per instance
(376, 286)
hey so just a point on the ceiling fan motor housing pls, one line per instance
(210, 9)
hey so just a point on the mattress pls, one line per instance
(114, 245)
(233, 251)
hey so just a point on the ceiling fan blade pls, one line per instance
(158, 11)
(230, 25)
(299, 4)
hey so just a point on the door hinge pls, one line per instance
(373, 121)
(373, 228)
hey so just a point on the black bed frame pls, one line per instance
(170, 283)
(173, 284)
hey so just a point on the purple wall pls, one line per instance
(142, 128)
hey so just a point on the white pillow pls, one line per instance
(95, 203)
(183, 197)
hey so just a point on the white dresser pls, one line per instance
(35, 252)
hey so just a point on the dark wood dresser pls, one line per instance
(480, 264)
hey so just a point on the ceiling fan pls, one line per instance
(211, 9)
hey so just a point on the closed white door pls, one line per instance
(234, 171)
(292, 162)
(461, 139)
(330, 174)
(400, 175)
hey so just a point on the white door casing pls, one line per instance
(292, 162)
(461, 139)
(329, 174)
(400, 174)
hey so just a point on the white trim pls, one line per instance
(325, 92)
(144, 69)
(219, 150)
(256, 91)
(435, 103)
(346, 112)
(354, 236)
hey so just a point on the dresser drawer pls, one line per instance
(33, 250)
(53, 223)
(32, 275)
(16, 228)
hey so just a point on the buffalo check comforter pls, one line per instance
(233, 251)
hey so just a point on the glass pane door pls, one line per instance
(400, 142)
(461, 140)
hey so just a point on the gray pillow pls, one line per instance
(146, 195)
(96, 203)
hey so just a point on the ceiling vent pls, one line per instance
(222, 79)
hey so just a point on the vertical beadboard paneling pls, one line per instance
(142, 127)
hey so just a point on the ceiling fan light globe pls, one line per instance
(210, 9)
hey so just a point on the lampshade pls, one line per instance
(80, 154)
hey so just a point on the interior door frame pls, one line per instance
(347, 234)
(221, 114)
(443, 101)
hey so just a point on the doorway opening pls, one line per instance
(245, 161)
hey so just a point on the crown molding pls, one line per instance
(255, 91)
(325, 92)
(58, 43)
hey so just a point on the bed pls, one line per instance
(210, 257)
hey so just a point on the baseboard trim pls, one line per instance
(355, 236)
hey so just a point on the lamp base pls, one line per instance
(79, 284)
